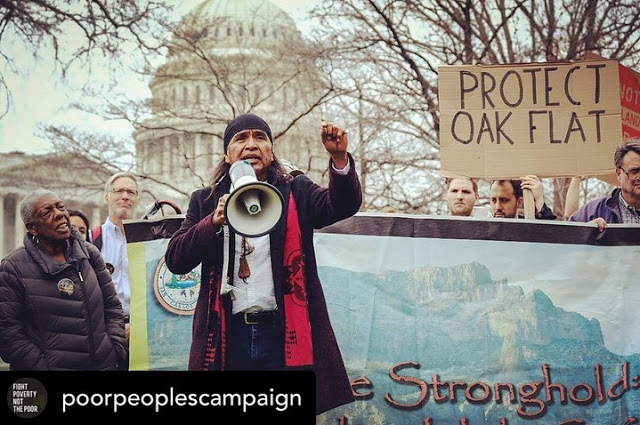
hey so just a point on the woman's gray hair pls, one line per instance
(28, 204)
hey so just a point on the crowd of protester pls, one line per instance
(65, 293)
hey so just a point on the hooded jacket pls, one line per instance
(60, 316)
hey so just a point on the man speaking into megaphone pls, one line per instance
(261, 305)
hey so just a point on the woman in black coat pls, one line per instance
(59, 309)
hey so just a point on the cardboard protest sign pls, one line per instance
(548, 119)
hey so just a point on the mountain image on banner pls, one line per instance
(461, 325)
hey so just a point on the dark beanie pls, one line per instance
(245, 122)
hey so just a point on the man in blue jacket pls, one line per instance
(623, 204)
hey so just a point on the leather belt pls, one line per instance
(266, 318)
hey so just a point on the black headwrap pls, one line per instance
(245, 122)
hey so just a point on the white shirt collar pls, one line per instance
(110, 226)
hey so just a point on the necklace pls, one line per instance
(247, 248)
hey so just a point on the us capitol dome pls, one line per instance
(228, 57)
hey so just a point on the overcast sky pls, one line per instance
(40, 97)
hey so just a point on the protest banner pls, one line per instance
(447, 320)
(162, 304)
(547, 119)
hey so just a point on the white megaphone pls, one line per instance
(253, 207)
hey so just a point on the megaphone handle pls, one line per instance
(225, 286)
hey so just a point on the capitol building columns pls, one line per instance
(19, 229)
(12, 229)
(200, 149)
(246, 61)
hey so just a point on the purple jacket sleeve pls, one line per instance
(195, 239)
(606, 208)
(340, 200)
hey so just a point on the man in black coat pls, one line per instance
(275, 315)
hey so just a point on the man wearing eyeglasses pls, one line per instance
(121, 194)
(623, 204)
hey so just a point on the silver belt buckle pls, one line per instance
(246, 319)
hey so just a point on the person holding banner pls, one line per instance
(275, 316)
(59, 309)
(623, 204)
(462, 195)
(507, 198)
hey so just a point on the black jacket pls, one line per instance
(44, 327)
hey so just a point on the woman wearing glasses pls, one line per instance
(623, 204)
(58, 307)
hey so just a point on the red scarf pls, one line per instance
(298, 347)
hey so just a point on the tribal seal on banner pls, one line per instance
(176, 293)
